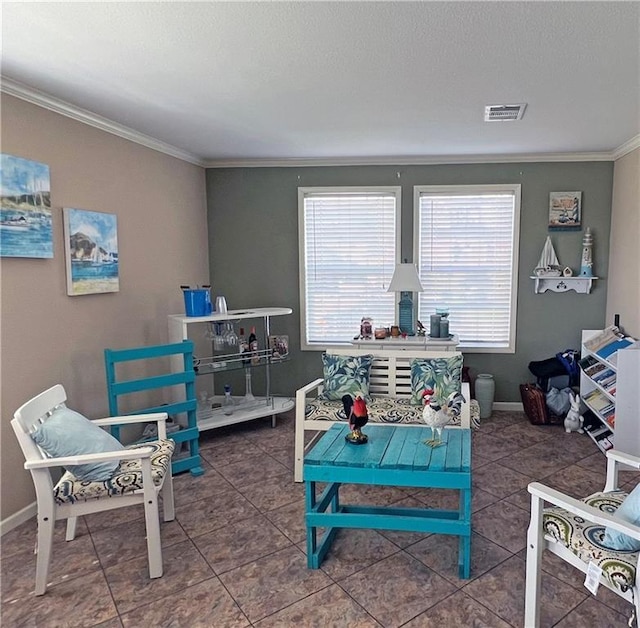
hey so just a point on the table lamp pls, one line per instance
(405, 280)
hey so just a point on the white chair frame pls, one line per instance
(26, 420)
(538, 541)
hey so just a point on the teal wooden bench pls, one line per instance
(118, 387)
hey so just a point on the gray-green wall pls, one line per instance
(253, 240)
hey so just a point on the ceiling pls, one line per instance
(225, 83)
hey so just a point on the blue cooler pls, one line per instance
(197, 302)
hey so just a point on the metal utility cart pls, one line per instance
(261, 406)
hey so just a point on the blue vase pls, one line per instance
(485, 389)
(405, 314)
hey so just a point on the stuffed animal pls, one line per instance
(573, 421)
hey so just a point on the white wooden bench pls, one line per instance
(390, 391)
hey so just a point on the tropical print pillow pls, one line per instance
(345, 375)
(442, 375)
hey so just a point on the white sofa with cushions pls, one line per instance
(392, 382)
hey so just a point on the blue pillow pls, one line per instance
(345, 375)
(442, 375)
(629, 510)
(68, 433)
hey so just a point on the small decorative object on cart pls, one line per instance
(380, 333)
(366, 328)
(279, 346)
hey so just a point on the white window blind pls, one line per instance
(467, 248)
(348, 249)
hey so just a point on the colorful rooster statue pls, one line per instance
(436, 415)
(356, 412)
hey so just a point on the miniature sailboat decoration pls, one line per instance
(548, 264)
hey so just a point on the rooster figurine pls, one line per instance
(436, 416)
(357, 415)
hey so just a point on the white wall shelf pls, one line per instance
(581, 285)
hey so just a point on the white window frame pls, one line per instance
(396, 191)
(516, 190)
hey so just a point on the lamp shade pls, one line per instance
(405, 279)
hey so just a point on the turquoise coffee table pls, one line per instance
(394, 456)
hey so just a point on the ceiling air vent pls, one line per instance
(503, 113)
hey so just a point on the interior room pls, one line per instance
(208, 137)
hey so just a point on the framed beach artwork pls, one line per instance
(91, 252)
(26, 228)
(565, 210)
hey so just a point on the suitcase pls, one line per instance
(535, 406)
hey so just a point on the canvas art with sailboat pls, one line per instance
(25, 208)
(91, 243)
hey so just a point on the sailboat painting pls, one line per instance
(25, 208)
(91, 252)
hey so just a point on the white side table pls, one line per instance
(411, 342)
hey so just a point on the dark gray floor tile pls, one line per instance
(397, 589)
(502, 589)
(457, 610)
(328, 607)
(273, 582)
(232, 546)
(202, 605)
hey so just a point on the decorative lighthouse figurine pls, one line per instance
(586, 265)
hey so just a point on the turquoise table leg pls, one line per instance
(312, 531)
(464, 547)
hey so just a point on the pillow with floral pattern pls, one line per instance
(345, 375)
(442, 375)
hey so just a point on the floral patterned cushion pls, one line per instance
(442, 375)
(345, 375)
(125, 479)
(585, 539)
(380, 409)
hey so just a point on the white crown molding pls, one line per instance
(36, 97)
(408, 161)
(627, 147)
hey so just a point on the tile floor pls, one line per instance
(235, 555)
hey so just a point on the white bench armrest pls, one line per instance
(316, 383)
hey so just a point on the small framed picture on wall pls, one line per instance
(565, 211)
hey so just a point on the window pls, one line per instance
(349, 244)
(466, 244)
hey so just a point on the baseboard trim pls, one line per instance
(16, 519)
(510, 406)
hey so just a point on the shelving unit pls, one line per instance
(609, 379)
(260, 406)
